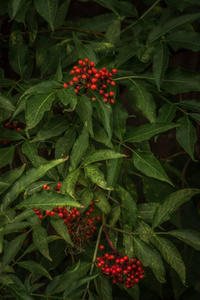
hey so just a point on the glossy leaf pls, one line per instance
(188, 236)
(79, 148)
(61, 228)
(39, 236)
(171, 203)
(12, 250)
(184, 39)
(170, 25)
(68, 97)
(149, 257)
(145, 132)
(101, 154)
(34, 267)
(96, 176)
(47, 9)
(24, 181)
(171, 255)
(6, 156)
(143, 100)
(47, 200)
(186, 135)
(68, 184)
(160, 62)
(85, 110)
(149, 165)
(102, 203)
(129, 208)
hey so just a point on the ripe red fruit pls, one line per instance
(52, 213)
(114, 71)
(93, 86)
(44, 186)
(40, 217)
(112, 83)
(75, 78)
(65, 85)
(101, 247)
(80, 62)
(111, 94)
(86, 60)
(92, 64)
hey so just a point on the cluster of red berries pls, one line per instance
(87, 77)
(11, 126)
(121, 269)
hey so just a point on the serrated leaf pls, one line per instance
(61, 228)
(160, 62)
(68, 97)
(145, 132)
(36, 106)
(10, 177)
(188, 236)
(68, 184)
(149, 165)
(6, 156)
(96, 176)
(47, 9)
(171, 203)
(166, 113)
(54, 127)
(102, 202)
(12, 250)
(171, 255)
(105, 113)
(79, 149)
(143, 100)
(186, 135)
(85, 110)
(34, 267)
(184, 39)
(129, 208)
(5, 103)
(119, 121)
(150, 257)
(39, 235)
(170, 25)
(24, 181)
(47, 200)
(101, 154)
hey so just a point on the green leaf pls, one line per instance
(170, 25)
(54, 127)
(112, 34)
(129, 208)
(24, 215)
(47, 200)
(101, 136)
(104, 287)
(181, 5)
(171, 203)
(188, 236)
(68, 97)
(149, 165)
(36, 106)
(86, 199)
(14, 7)
(85, 110)
(6, 156)
(113, 169)
(96, 176)
(61, 228)
(186, 135)
(79, 149)
(39, 235)
(160, 62)
(68, 184)
(146, 131)
(101, 154)
(171, 255)
(149, 257)
(12, 250)
(10, 177)
(18, 54)
(105, 113)
(47, 9)
(166, 113)
(34, 267)
(5, 103)
(24, 181)
(5, 279)
(84, 50)
(120, 8)
(114, 215)
(177, 80)
(15, 227)
(184, 39)
(119, 121)
(146, 211)
(65, 143)
(7, 134)
(143, 100)
(102, 202)
(193, 105)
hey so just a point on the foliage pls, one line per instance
(130, 164)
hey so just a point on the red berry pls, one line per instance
(44, 186)
(75, 79)
(71, 83)
(80, 62)
(52, 213)
(40, 217)
(92, 64)
(111, 94)
(84, 76)
(86, 60)
(112, 83)
(101, 247)
(93, 87)
(114, 71)
(65, 85)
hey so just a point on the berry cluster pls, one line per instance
(14, 125)
(87, 77)
(121, 269)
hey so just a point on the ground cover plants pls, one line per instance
(99, 149)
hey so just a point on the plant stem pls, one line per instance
(140, 18)
(109, 242)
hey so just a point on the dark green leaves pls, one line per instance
(84, 109)
(61, 228)
(34, 267)
(119, 120)
(101, 155)
(160, 62)
(96, 176)
(184, 39)
(68, 97)
(79, 148)
(6, 155)
(171, 203)
(102, 202)
(188, 236)
(47, 9)
(40, 241)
